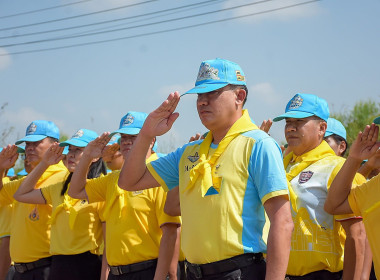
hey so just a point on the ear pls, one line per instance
(342, 146)
(241, 94)
(322, 129)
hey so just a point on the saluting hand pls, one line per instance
(8, 157)
(95, 148)
(53, 155)
(109, 151)
(366, 144)
(266, 125)
(161, 120)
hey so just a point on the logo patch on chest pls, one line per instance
(34, 215)
(305, 176)
(193, 158)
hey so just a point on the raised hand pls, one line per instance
(8, 157)
(266, 125)
(196, 137)
(53, 155)
(109, 151)
(95, 148)
(161, 120)
(366, 144)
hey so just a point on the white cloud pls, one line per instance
(291, 13)
(5, 59)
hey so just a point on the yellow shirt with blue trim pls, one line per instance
(229, 223)
(5, 216)
(318, 237)
(76, 226)
(133, 219)
(30, 230)
(364, 201)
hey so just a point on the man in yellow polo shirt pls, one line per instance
(364, 199)
(318, 238)
(227, 181)
(141, 238)
(29, 245)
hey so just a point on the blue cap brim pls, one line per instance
(377, 120)
(204, 88)
(127, 130)
(293, 115)
(74, 142)
(22, 173)
(20, 150)
(31, 138)
(328, 133)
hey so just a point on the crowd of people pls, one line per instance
(230, 204)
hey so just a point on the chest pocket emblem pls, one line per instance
(34, 215)
(193, 158)
(305, 176)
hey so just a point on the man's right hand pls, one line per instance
(53, 155)
(161, 120)
(95, 148)
(8, 157)
(366, 144)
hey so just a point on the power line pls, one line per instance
(77, 16)
(132, 27)
(107, 21)
(162, 31)
(44, 9)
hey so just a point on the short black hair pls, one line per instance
(233, 87)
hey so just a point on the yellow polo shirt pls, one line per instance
(133, 219)
(365, 201)
(29, 228)
(76, 226)
(318, 238)
(5, 216)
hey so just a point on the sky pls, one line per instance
(329, 48)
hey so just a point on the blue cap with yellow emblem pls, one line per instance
(335, 127)
(304, 105)
(81, 138)
(39, 130)
(217, 73)
(131, 123)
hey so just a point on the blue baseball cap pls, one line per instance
(22, 173)
(131, 123)
(304, 105)
(11, 172)
(217, 73)
(335, 127)
(81, 138)
(65, 150)
(39, 130)
(377, 120)
(114, 139)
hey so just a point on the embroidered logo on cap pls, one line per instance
(239, 76)
(296, 102)
(78, 134)
(31, 128)
(305, 176)
(206, 72)
(128, 120)
(193, 158)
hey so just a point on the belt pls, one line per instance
(24, 267)
(234, 263)
(123, 269)
(319, 274)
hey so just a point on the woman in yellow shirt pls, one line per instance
(76, 225)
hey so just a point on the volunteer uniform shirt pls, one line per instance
(29, 228)
(318, 238)
(365, 201)
(5, 216)
(228, 223)
(75, 224)
(133, 219)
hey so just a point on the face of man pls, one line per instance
(126, 143)
(35, 150)
(218, 109)
(305, 134)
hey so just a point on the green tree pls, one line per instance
(355, 120)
